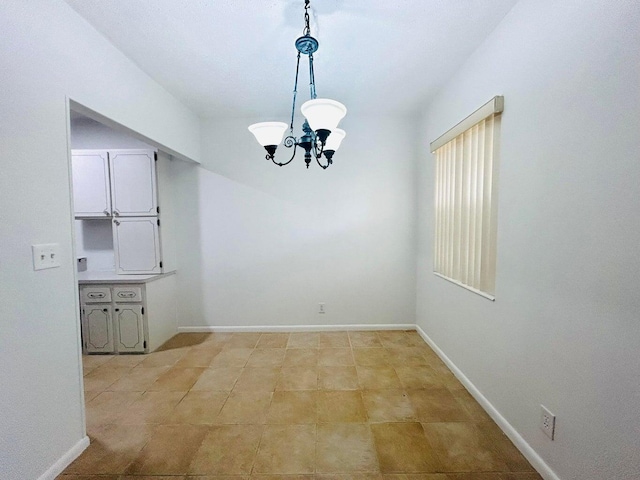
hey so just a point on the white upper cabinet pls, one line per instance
(133, 183)
(91, 190)
(137, 245)
(121, 186)
(114, 183)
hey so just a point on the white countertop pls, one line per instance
(88, 277)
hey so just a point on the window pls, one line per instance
(466, 200)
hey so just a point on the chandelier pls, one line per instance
(321, 135)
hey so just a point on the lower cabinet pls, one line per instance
(118, 326)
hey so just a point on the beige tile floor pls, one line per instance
(323, 406)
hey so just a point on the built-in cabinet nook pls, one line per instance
(127, 288)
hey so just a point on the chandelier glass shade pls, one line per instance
(321, 135)
(323, 114)
(334, 140)
(268, 133)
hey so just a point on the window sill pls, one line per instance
(467, 287)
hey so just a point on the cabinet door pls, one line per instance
(91, 193)
(129, 328)
(97, 328)
(133, 183)
(136, 245)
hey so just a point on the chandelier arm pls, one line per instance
(288, 142)
(324, 167)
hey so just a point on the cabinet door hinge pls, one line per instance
(158, 209)
(143, 310)
(161, 264)
(158, 222)
(155, 156)
(144, 344)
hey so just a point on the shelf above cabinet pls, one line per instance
(96, 278)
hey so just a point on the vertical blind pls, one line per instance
(465, 207)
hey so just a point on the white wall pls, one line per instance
(563, 331)
(264, 245)
(48, 53)
(166, 202)
(94, 241)
(86, 133)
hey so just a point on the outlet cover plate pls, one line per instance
(547, 422)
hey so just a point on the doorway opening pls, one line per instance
(121, 189)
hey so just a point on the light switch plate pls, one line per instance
(46, 256)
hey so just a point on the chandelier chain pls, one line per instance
(307, 28)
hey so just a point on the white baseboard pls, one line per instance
(530, 454)
(64, 461)
(296, 328)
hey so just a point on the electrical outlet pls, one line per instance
(321, 309)
(547, 422)
(46, 256)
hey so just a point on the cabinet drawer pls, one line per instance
(97, 294)
(131, 293)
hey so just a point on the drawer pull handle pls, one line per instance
(126, 294)
(96, 295)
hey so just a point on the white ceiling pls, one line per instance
(237, 57)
